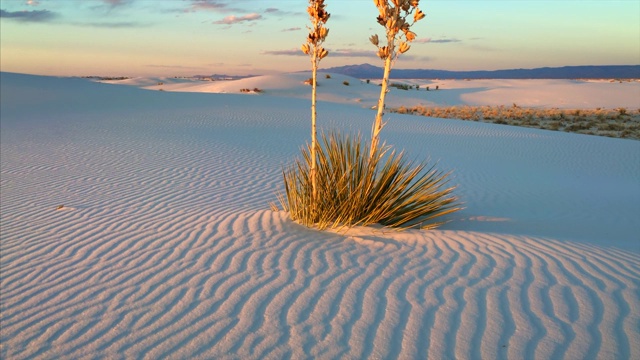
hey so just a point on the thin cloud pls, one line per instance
(29, 16)
(111, 25)
(210, 5)
(352, 53)
(358, 53)
(445, 41)
(33, 3)
(292, 52)
(291, 29)
(114, 3)
(173, 67)
(437, 41)
(232, 19)
(332, 53)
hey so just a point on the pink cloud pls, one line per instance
(232, 19)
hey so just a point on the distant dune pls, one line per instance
(367, 71)
(550, 93)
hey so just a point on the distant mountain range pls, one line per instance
(368, 71)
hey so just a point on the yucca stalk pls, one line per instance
(393, 17)
(359, 189)
(313, 47)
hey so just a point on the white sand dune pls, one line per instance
(556, 93)
(165, 247)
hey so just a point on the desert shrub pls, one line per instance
(327, 76)
(611, 127)
(255, 90)
(575, 127)
(362, 188)
(400, 86)
(346, 83)
(403, 110)
(368, 81)
(554, 125)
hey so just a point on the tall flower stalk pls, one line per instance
(395, 18)
(313, 47)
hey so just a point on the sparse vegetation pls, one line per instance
(394, 18)
(358, 188)
(313, 47)
(106, 78)
(605, 122)
(327, 76)
(400, 86)
(254, 90)
(345, 182)
(346, 83)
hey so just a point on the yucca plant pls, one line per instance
(313, 47)
(394, 17)
(356, 187)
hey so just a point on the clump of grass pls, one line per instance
(345, 83)
(400, 86)
(357, 187)
(255, 90)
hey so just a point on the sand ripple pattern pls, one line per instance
(252, 285)
(164, 250)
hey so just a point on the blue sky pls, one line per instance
(188, 37)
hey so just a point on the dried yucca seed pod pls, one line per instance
(410, 35)
(305, 48)
(383, 52)
(374, 40)
(324, 32)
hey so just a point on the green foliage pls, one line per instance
(358, 188)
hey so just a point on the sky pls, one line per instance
(241, 37)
